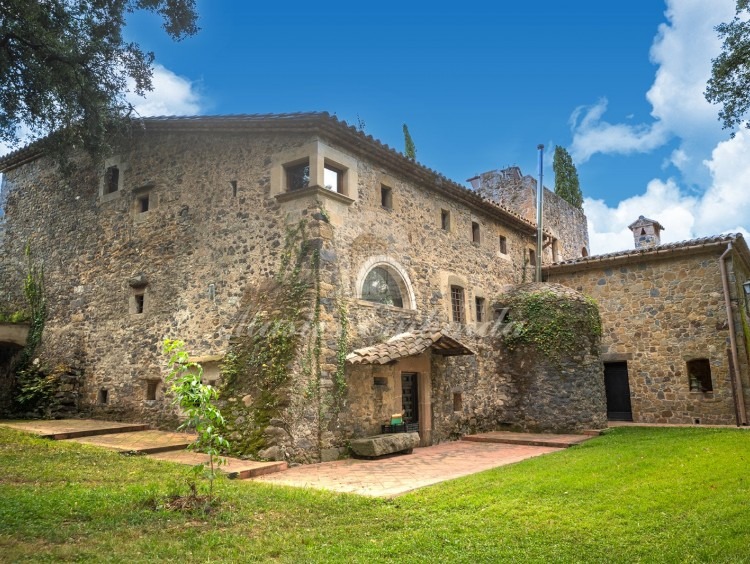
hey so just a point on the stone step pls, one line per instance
(234, 467)
(140, 442)
(61, 429)
(528, 439)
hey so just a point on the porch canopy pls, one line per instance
(409, 344)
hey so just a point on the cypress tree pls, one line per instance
(409, 149)
(566, 178)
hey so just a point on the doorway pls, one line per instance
(410, 397)
(617, 388)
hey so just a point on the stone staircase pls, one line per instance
(129, 438)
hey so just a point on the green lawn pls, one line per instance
(631, 495)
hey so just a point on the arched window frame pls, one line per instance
(396, 271)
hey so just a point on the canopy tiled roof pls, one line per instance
(317, 122)
(693, 245)
(409, 344)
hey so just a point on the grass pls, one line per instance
(668, 495)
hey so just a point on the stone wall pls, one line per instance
(657, 313)
(516, 192)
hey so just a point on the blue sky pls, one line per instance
(482, 84)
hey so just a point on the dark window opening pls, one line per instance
(138, 301)
(297, 176)
(532, 258)
(380, 381)
(142, 203)
(479, 303)
(501, 314)
(643, 231)
(475, 232)
(445, 220)
(103, 396)
(233, 183)
(457, 304)
(151, 387)
(112, 180)
(584, 252)
(699, 373)
(386, 197)
(333, 179)
(503, 245)
(457, 402)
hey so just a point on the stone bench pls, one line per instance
(390, 443)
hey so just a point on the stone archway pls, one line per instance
(12, 341)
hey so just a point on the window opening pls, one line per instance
(333, 179)
(445, 220)
(381, 287)
(503, 245)
(475, 232)
(479, 304)
(584, 252)
(457, 304)
(386, 197)
(380, 381)
(151, 386)
(532, 257)
(699, 372)
(112, 180)
(138, 300)
(142, 203)
(103, 396)
(457, 402)
(233, 183)
(298, 176)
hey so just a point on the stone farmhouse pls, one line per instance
(325, 283)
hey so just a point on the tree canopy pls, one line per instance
(65, 67)
(729, 84)
(566, 178)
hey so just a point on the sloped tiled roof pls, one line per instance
(409, 344)
(643, 221)
(320, 122)
(665, 249)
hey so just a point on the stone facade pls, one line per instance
(663, 308)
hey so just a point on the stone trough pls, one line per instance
(389, 443)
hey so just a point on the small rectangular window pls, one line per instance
(151, 387)
(233, 184)
(457, 304)
(111, 180)
(445, 220)
(297, 176)
(380, 381)
(138, 303)
(475, 232)
(386, 197)
(479, 305)
(103, 396)
(699, 373)
(457, 402)
(333, 179)
(142, 203)
(532, 258)
(503, 245)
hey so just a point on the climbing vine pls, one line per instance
(553, 324)
(34, 388)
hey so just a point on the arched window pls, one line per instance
(382, 281)
(382, 288)
(584, 252)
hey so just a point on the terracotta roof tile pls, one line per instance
(408, 344)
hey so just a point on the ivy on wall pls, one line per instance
(554, 324)
(283, 333)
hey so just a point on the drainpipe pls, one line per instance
(739, 399)
(539, 217)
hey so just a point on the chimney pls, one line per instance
(646, 232)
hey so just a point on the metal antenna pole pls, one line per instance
(540, 215)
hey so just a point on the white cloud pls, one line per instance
(172, 95)
(706, 159)
(592, 135)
